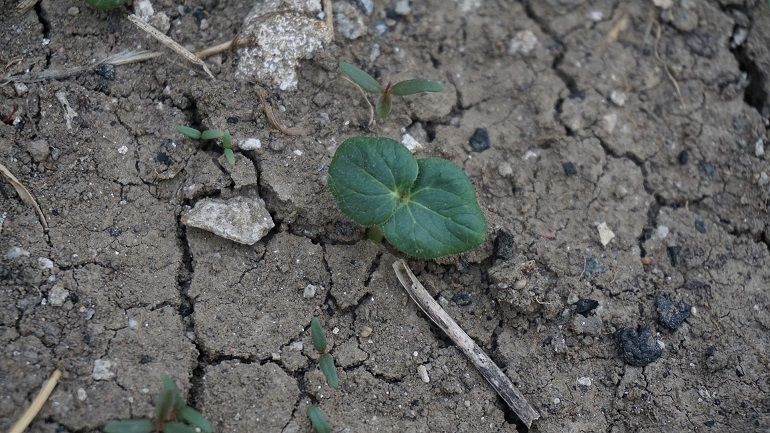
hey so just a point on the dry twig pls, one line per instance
(329, 18)
(170, 43)
(665, 65)
(491, 372)
(25, 195)
(37, 403)
(268, 110)
(366, 98)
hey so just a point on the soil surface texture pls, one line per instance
(617, 149)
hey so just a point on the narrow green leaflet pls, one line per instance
(383, 105)
(410, 87)
(190, 132)
(441, 215)
(427, 208)
(318, 420)
(361, 78)
(211, 134)
(169, 384)
(329, 370)
(129, 426)
(227, 145)
(164, 407)
(367, 177)
(195, 418)
(317, 335)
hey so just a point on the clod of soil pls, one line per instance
(638, 348)
(671, 314)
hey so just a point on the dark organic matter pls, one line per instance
(638, 348)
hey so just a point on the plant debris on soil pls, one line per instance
(648, 117)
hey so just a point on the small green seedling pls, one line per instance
(172, 415)
(212, 134)
(106, 4)
(325, 361)
(318, 419)
(402, 88)
(426, 207)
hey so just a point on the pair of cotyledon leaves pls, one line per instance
(426, 207)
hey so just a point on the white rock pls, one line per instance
(16, 252)
(285, 37)
(759, 148)
(663, 4)
(402, 7)
(411, 143)
(144, 10)
(660, 232)
(609, 122)
(605, 234)
(423, 372)
(522, 43)
(82, 395)
(250, 144)
(242, 220)
(310, 291)
(585, 381)
(349, 21)
(618, 98)
(58, 295)
(45, 263)
(102, 369)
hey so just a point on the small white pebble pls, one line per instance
(423, 372)
(618, 98)
(759, 148)
(584, 381)
(123, 150)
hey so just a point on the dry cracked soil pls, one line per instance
(648, 116)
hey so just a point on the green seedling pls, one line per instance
(318, 420)
(106, 4)
(212, 134)
(172, 415)
(325, 361)
(402, 88)
(426, 207)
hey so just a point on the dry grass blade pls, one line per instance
(24, 193)
(491, 372)
(24, 5)
(665, 65)
(366, 98)
(614, 32)
(37, 403)
(329, 18)
(170, 43)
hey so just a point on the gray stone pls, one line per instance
(243, 220)
(591, 325)
(57, 295)
(284, 38)
(349, 21)
(102, 370)
(39, 150)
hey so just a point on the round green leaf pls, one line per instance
(361, 78)
(129, 426)
(369, 175)
(440, 216)
(329, 370)
(318, 420)
(410, 87)
(317, 335)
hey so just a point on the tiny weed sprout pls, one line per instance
(318, 420)
(325, 361)
(172, 415)
(212, 134)
(402, 88)
(426, 207)
(106, 4)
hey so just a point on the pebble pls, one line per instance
(250, 144)
(39, 150)
(21, 89)
(591, 325)
(638, 348)
(310, 291)
(569, 168)
(605, 234)
(403, 8)
(584, 381)
(585, 306)
(367, 6)
(73, 11)
(423, 372)
(593, 266)
(16, 252)
(349, 22)
(479, 141)
(101, 370)
(503, 247)
(759, 148)
(673, 254)
(411, 143)
(618, 98)
(243, 220)
(522, 43)
(366, 332)
(671, 315)
(57, 295)
(683, 157)
(504, 169)
(462, 299)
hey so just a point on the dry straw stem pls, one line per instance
(25, 195)
(268, 110)
(37, 403)
(491, 372)
(665, 65)
(122, 58)
(170, 43)
(366, 98)
(329, 18)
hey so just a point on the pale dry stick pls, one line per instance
(366, 98)
(491, 372)
(122, 58)
(25, 195)
(268, 110)
(37, 403)
(329, 18)
(614, 32)
(665, 65)
(170, 43)
(236, 42)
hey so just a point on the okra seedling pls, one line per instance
(211, 134)
(402, 88)
(325, 361)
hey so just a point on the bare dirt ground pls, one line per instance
(650, 119)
